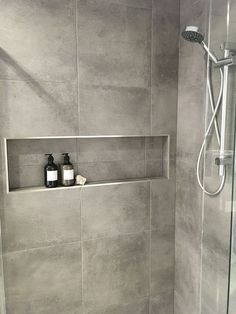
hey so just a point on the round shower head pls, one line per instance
(191, 33)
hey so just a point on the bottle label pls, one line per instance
(69, 174)
(52, 175)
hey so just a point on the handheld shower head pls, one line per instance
(192, 34)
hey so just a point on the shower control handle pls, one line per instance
(224, 161)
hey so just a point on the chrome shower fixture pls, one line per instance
(192, 34)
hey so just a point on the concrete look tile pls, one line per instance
(38, 40)
(131, 3)
(165, 57)
(38, 109)
(112, 170)
(2, 288)
(114, 110)
(164, 109)
(111, 158)
(182, 306)
(191, 113)
(188, 217)
(39, 219)
(115, 270)
(127, 65)
(138, 307)
(187, 273)
(162, 204)
(112, 210)
(107, 56)
(215, 269)
(111, 149)
(167, 6)
(165, 49)
(162, 261)
(217, 216)
(163, 303)
(46, 280)
(154, 156)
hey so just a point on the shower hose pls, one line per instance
(215, 110)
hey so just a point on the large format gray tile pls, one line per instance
(112, 170)
(131, 3)
(137, 307)
(44, 281)
(188, 198)
(187, 273)
(164, 109)
(115, 270)
(117, 209)
(111, 149)
(163, 303)
(166, 6)
(40, 219)
(154, 156)
(217, 216)
(162, 204)
(162, 261)
(38, 40)
(2, 288)
(111, 158)
(114, 110)
(215, 268)
(38, 109)
(165, 67)
(165, 49)
(114, 60)
(114, 44)
(126, 65)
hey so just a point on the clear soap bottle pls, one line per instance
(67, 171)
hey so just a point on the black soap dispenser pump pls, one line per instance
(50, 173)
(67, 171)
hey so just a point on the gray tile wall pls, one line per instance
(190, 128)
(96, 245)
(88, 67)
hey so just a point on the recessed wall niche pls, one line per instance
(99, 159)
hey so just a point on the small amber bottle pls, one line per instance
(67, 171)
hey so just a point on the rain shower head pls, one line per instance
(192, 34)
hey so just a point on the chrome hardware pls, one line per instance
(224, 161)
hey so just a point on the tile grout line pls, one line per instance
(145, 156)
(77, 63)
(77, 241)
(3, 281)
(151, 71)
(151, 132)
(150, 245)
(82, 254)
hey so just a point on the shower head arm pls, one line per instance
(218, 62)
(211, 54)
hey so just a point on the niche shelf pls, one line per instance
(103, 160)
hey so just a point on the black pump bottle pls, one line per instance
(50, 173)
